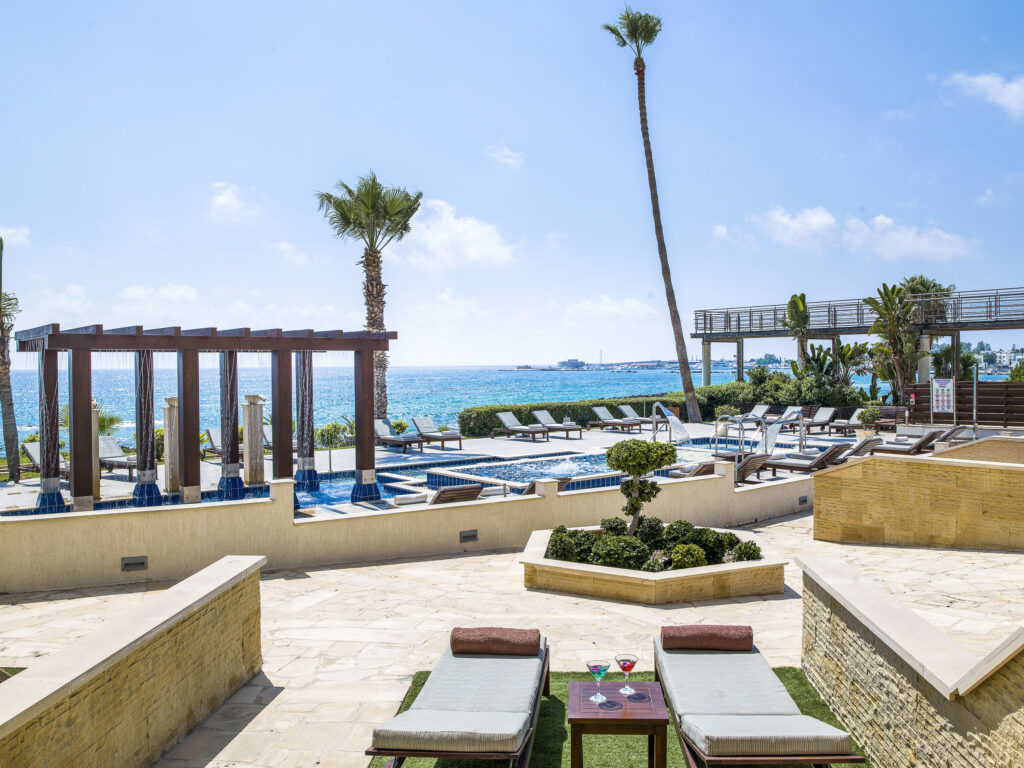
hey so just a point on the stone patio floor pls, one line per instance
(340, 643)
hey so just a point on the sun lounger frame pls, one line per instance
(554, 426)
(436, 436)
(519, 758)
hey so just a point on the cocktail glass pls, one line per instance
(626, 663)
(598, 669)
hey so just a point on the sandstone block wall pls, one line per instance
(899, 719)
(128, 712)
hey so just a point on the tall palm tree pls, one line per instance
(8, 309)
(895, 313)
(636, 31)
(798, 321)
(377, 215)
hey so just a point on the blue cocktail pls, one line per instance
(598, 669)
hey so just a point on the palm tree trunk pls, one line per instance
(7, 413)
(692, 409)
(373, 295)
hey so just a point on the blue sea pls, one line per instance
(440, 392)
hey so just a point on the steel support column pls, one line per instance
(739, 359)
(705, 363)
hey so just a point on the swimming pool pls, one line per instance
(333, 492)
(564, 466)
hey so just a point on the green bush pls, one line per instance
(620, 552)
(655, 563)
(332, 435)
(745, 550)
(399, 426)
(637, 458)
(730, 539)
(726, 410)
(711, 542)
(158, 443)
(1017, 372)
(480, 420)
(688, 556)
(650, 531)
(33, 438)
(562, 547)
(678, 532)
(615, 526)
(869, 416)
(584, 541)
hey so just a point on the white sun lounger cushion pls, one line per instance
(470, 703)
(759, 735)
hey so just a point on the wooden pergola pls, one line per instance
(80, 343)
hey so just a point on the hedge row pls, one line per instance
(480, 420)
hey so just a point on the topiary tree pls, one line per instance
(638, 458)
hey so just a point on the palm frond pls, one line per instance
(635, 30)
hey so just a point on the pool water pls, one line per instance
(563, 466)
(333, 492)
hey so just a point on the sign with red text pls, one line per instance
(942, 396)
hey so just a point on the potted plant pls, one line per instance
(868, 418)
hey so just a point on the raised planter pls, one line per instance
(709, 582)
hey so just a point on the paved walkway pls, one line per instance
(340, 644)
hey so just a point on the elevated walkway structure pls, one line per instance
(938, 315)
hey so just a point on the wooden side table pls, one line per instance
(641, 714)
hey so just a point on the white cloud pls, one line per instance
(441, 240)
(554, 240)
(506, 156)
(174, 293)
(604, 307)
(986, 197)
(995, 89)
(721, 234)
(894, 241)
(70, 305)
(291, 253)
(807, 230)
(14, 235)
(227, 204)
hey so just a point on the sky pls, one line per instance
(158, 164)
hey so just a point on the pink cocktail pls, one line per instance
(626, 662)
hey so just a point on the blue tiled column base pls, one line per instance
(51, 502)
(147, 495)
(231, 488)
(307, 480)
(365, 492)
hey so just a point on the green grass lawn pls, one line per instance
(6, 672)
(551, 744)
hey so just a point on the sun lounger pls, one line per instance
(842, 426)
(473, 706)
(700, 470)
(31, 450)
(386, 435)
(426, 428)
(951, 435)
(531, 489)
(451, 494)
(268, 439)
(605, 419)
(511, 426)
(863, 448)
(215, 445)
(546, 420)
(788, 416)
(758, 413)
(910, 448)
(729, 707)
(113, 457)
(654, 419)
(801, 462)
(748, 466)
(822, 418)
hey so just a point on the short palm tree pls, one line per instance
(895, 314)
(8, 309)
(848, 359)
(636, 31)
(377, 215)
(798, 322)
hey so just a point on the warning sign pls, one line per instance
(942, 396)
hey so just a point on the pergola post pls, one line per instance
(230, 485)
(365, 488)
(80, 431)
(146, 493)
(50, 498)
(739, 359)
(281, 413)
(306, 478)
(705, 362)
(252, 437)
(188, 425)
(172, 476)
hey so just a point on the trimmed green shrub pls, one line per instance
(688, 556)
(637, 458)
(562, 547)
(615, 526)
(711, 542)
(620, 552)
(730, 539)
(726, 410)
(745, 550)
(650, 531)
(678, 532)
(584, 541)
(869, 416)
(654, 564)
(399, 426)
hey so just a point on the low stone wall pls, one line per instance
(921, 501)
(181, 539)
(909, 694)
(1005, 450)
(710, 582)
(123, 695)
